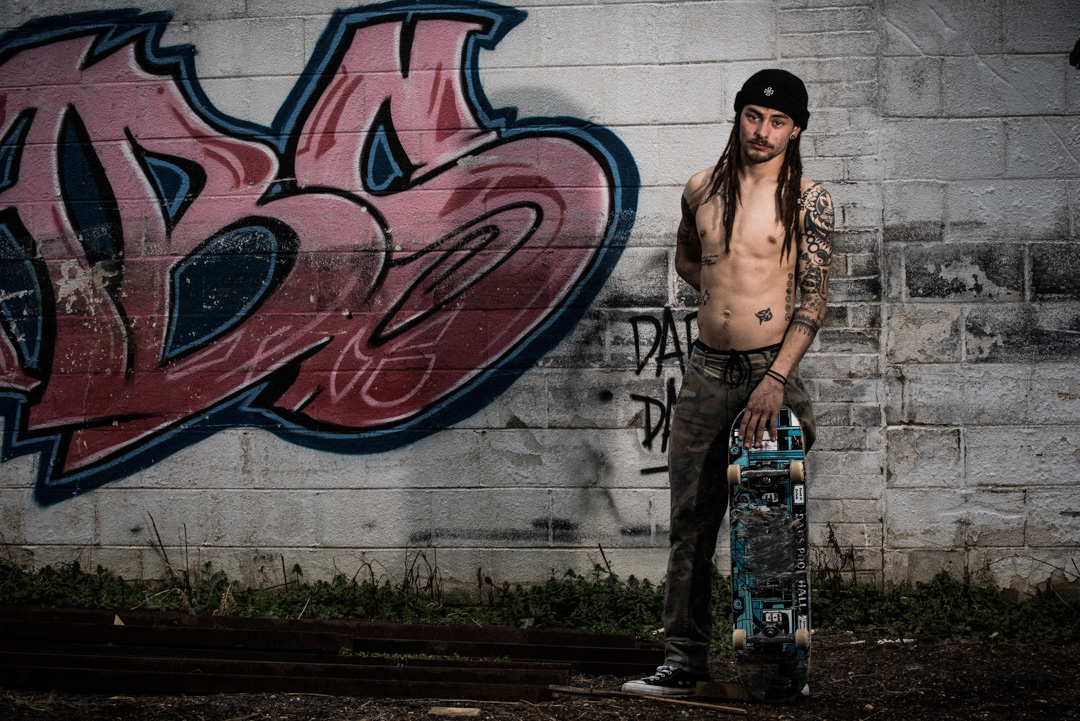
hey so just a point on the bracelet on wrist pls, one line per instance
(776, 376)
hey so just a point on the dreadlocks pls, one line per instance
(725, 183)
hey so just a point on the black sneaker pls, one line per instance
(667, 681)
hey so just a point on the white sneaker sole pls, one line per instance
(644, 689)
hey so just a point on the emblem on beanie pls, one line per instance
(776, 89)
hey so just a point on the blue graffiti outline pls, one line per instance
(25, 320)
(281, 244)
(11, 149)
(117, 28)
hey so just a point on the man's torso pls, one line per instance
(747, 293)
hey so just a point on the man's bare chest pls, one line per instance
(756, 232)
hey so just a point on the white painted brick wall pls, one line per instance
(945, 380)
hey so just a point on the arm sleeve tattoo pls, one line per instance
(688, 231)
(815, 258)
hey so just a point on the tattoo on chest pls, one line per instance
(709, 259)
(764, 315)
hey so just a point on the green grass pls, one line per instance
(946, 606)
(598, 601)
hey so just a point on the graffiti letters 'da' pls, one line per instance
(383, 260)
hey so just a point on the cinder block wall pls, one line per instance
(945, 379)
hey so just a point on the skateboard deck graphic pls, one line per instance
(770, 570)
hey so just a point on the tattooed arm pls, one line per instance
(815, 259)
(688, 247)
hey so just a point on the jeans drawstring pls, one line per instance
(737, 369)
(734, 368)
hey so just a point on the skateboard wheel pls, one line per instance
(796, 470)
(802, 639)
(738, 639)
(734, 474)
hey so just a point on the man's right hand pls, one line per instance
(761, 411)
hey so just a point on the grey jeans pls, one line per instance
(716, 386)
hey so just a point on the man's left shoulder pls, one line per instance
(809, 188)
(814, 198)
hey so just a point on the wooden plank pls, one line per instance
(698, 704)
(586, 660)
(454, 711)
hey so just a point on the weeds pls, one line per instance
(66, 586)
(831, 564)
(597, 601)
(946, 606)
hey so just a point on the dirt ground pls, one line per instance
(852, 678)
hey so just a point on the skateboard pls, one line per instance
(770, 569)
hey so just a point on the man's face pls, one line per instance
(765, 133)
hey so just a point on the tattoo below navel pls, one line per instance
(709, 259)
(764, 315)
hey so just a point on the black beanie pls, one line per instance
(776, 89)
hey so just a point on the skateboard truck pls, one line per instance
(736, 474)
(771, 638)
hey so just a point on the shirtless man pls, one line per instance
(753, 229)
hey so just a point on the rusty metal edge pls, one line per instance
(291, 669)
(143, 682)
(72, 649)
(369, 629)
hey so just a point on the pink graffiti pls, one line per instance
(395, 300)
